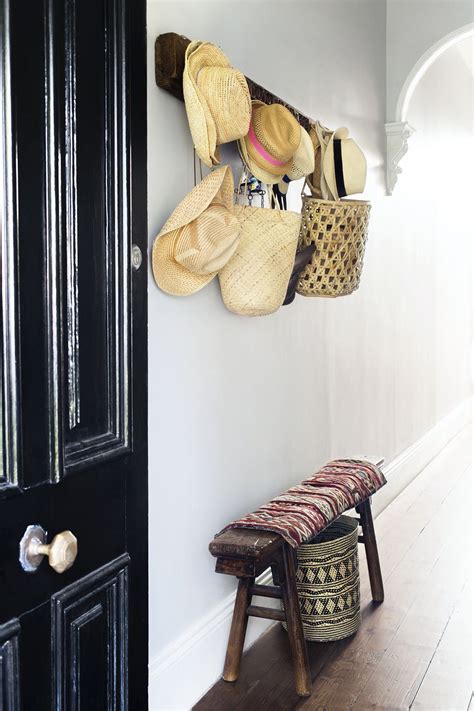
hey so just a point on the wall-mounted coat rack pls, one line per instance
(170, 49)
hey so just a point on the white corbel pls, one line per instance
(397, 145)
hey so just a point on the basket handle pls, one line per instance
(194, 166)
(320, 136)
(272, 198)
(308, 183)
(316, 193)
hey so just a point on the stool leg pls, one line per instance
(293, 620)
(238, 629)
(276, 579)
(370, 542)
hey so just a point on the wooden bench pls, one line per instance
(246, 554)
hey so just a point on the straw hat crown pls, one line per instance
(303, 160)
(217, 100)
(302, 163)
(344, 165)
(277, 131)
(199, 238)
(206, 244)
(272, 141)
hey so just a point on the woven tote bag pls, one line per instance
(338, 229)
(328, 582)
(255, 280)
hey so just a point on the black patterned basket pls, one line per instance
(328, 582)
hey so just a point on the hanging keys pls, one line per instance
(250, 186)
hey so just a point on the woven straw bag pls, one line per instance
(338, 229)
(255, 280)
(328, 582)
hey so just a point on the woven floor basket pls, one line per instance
(328, 583)
(338, 228)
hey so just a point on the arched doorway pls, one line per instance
(399, 131)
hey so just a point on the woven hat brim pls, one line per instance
(201, 123)
(205, 130)
(204, 54)
(355, 167)
(171, 276)
(226, 93)
(200, 197)
(283, 187)
(255, 169)
(303, 160)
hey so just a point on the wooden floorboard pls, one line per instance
(447, 682)
(412, 651)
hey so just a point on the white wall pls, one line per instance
(240, 408)
(413, 27)
(434, 230)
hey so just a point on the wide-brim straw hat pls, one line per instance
(272, 140)
(344, 165)
(199, 238)
(217, 100)
(302, 163)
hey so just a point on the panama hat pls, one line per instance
(199, 238)
(344, 165)
(272, 140)
(302, 163)
(217, 100)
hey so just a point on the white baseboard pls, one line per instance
(188, 667)
(407, 465)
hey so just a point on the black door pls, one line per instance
(73, 630)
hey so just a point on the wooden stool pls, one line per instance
(246, 554)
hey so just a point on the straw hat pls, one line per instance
(199, 237)
(271, 142)
(217, 100)
(302, 163)
(344, 165)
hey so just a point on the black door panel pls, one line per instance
(9, 666)
(90, 638)
(73, 351)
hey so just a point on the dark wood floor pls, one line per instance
(411, 652)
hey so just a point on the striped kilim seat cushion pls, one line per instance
(305, 510)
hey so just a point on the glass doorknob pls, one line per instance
(61, 552)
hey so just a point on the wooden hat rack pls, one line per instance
(170, 49)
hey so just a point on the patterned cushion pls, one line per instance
(305, 510)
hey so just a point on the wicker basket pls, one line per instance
(338, 228)
(328, 582)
